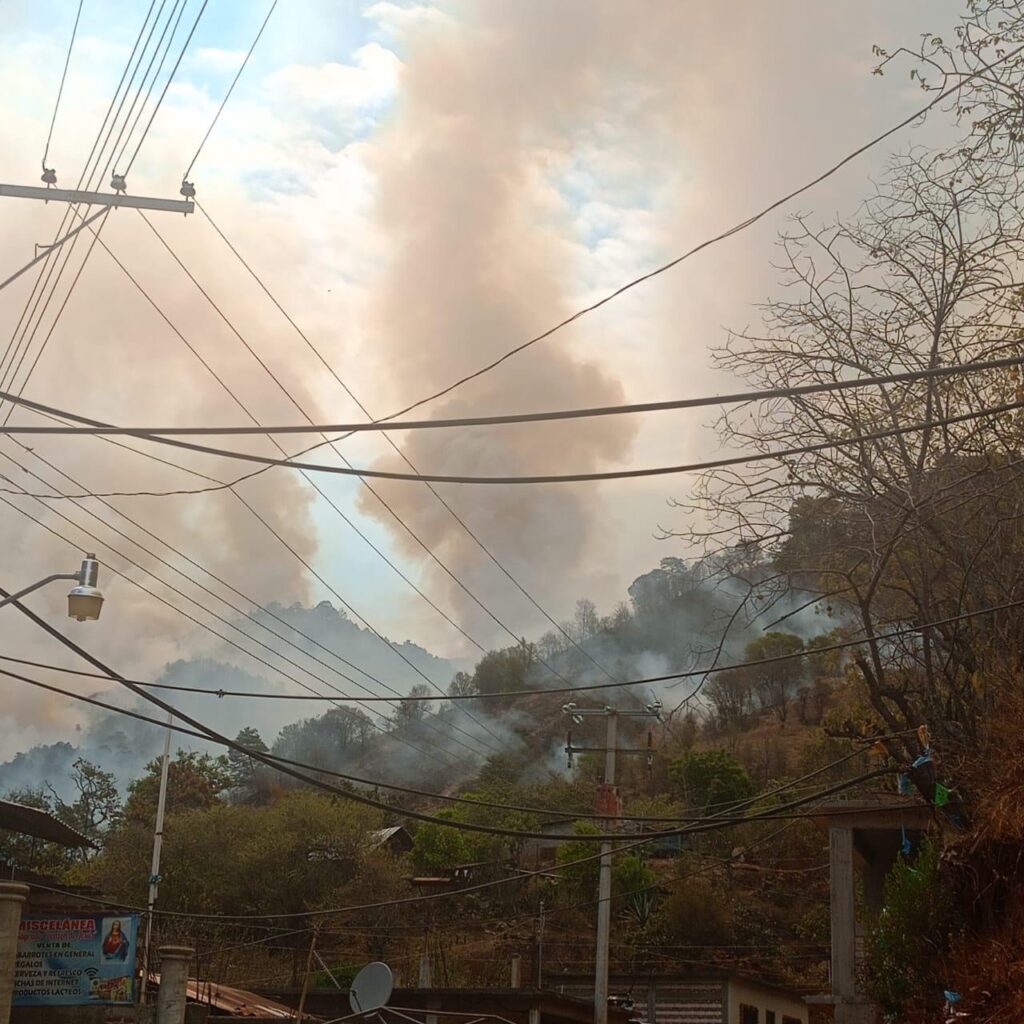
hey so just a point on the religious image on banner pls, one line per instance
(76, 961)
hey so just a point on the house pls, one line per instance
(693, 998)
(396, 840)
(538, 853)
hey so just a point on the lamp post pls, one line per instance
(84, 601)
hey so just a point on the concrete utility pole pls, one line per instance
(154, 867)
(607, 800)
(604, 887)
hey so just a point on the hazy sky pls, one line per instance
(421, 187)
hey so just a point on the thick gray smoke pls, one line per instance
(675, 622)
(482, 258)
(124, 745)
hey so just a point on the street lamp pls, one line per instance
(84, 601)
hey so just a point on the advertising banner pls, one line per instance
(76, 960)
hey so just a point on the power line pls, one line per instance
(273, 532)
(60, 90)
(231, 89)
(179, 7)
(721, 818)
(806, 652)
(532, 417)
(528, 916)
(568, 814)
(167, 84)
(245, 597)
(42, 283)
(712, 824)
(95, 235)
(222, 600)
(25, 351)
(214, 736)
(622, 474)
(608, 298)
(199, 15)
(739, 227)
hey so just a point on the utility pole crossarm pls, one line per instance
(601, 750)
(68, 195)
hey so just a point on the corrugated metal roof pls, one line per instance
(385, 835)
(31, 821)
(234, 1001)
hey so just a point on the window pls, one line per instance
(749, 1014)
(769, 1017)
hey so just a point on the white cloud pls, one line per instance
(393, 18)
(211, 58)
(344, 89)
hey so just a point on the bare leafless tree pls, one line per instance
(911, 528)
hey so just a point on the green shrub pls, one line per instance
(911, 933)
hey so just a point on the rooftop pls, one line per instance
(31, 821)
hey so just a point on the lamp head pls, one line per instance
(86, 601)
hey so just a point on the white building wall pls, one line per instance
(765, 999)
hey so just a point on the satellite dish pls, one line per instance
(371, 988)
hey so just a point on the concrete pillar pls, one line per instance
(426, 979)
(516, 981)
(171, 999)
(12, 897)
(844, 934)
